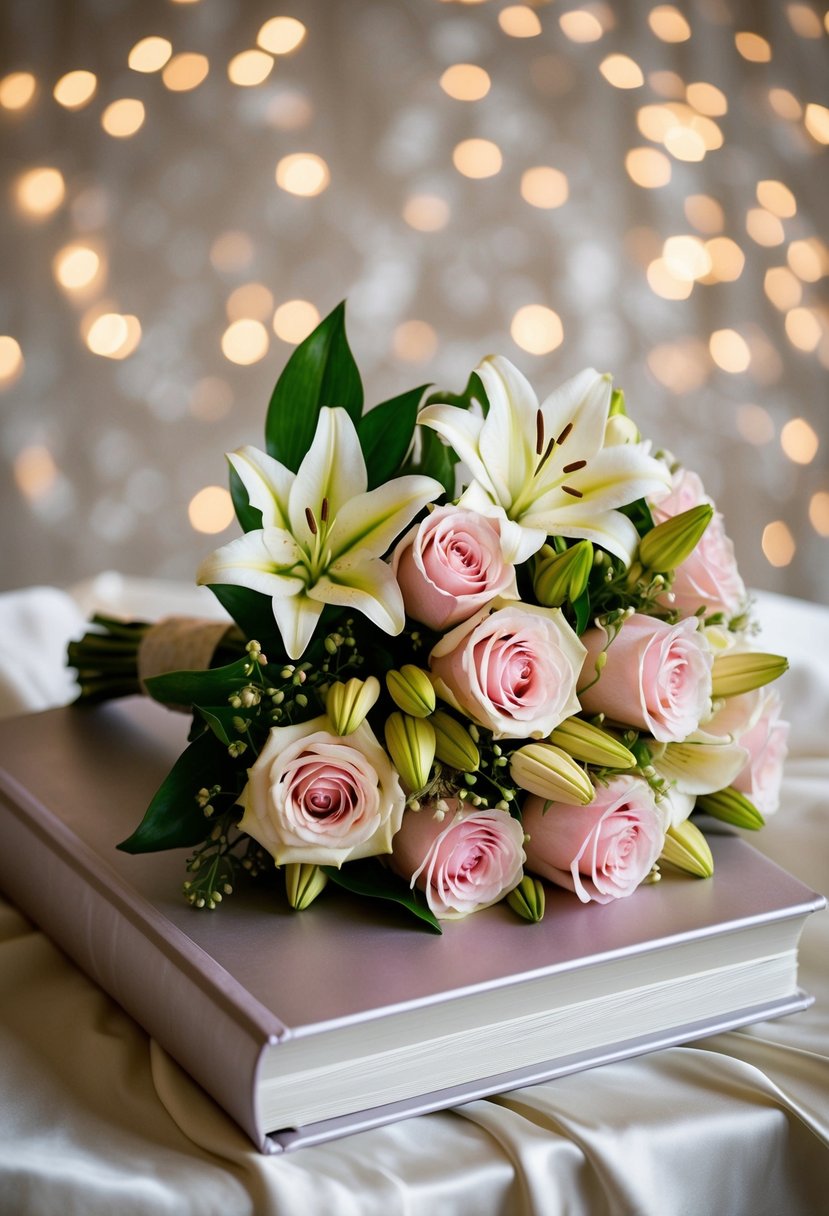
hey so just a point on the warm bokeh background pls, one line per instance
(187, 186)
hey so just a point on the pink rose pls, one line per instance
(466, 861)
(657, 677)
(450, 565)
(513, 670)
(313, 796)
(767, 743)
(601, 851)
(708, 577)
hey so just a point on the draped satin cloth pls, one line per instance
(96, 1119)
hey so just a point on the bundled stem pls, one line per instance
(106, 657)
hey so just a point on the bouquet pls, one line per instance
(476, 642)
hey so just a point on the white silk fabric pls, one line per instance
(96, 1119)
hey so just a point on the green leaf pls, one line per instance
(436, 460)
(200, 687)
(386, 432)
(474, 391)
(253, 614)
(321, 372)
(250, 519)
(174, 820)
(581, 607)
(370, 878)
(220, 720)
(639, 514)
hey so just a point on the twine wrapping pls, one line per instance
(178, 643)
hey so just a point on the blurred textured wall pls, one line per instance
(186, 186)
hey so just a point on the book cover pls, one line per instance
(231, 994)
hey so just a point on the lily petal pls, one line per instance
(263, 560)
(366, 584)
(296, 619)
(332, 470)
(612, 477)
(508, 436)
(268, 484)
(461, 429)
(373, 521)
(702, 764)
(610, 529)
(583, 401)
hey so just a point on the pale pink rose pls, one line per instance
(450, 565)
(466, 861)
(601, 851)
(657, 677)
(512, 669)
(313, 796)
(767, 743)
(709, 577)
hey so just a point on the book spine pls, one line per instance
(140, 961)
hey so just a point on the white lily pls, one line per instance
(543, 470)
(322, 536)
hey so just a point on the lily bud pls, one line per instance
(732, 807)
(303, 883)
(668, 544)
(454, 745)
(619, 429)
(347, 704)
(549, 772)
(411, 690)
(733, 674)
(562, 576)
(411, 745)
(687, 849)
(527, 899)
(584, 741)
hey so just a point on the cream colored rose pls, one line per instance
(313, 796)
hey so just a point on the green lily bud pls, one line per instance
(733, 674)
(562, 576)
(347, 704)
(619, 430)
(584, 741)
(527, 899)
(454, 745)
(411, 690)
(411, 745)
(549, 772)
(668, 544)
(686, 849)
(303, 883)
(732, 807)
(617, 403)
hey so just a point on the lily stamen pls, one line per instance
(547, 454)
(570, 490)
(324, 511)
(539, 432)
(571, 468)
(565, 433)
(312, 523)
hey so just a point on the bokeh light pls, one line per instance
(545, 187)
(249, 68)
(622, 72)
(778, 543)
(477, 158)
(519, 21)
(123, 118)
(39, 192)
(294, 320)
(303, 173)
(185, 71)
(11, 361)
(465, 82)
(150, 54)
(648, 167)
(245, 342)
(415, 341)
(730, 351)
(668, 24)
(76, 267)
(211, 510)
(819, 512)
(35, 472)
(799, 441)
(752, 47)
(426, 212)
(17, 90)
(111, 335)
(251, 300)
(76, 89)
(281, 35)
(537, 329)
(580, 25)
